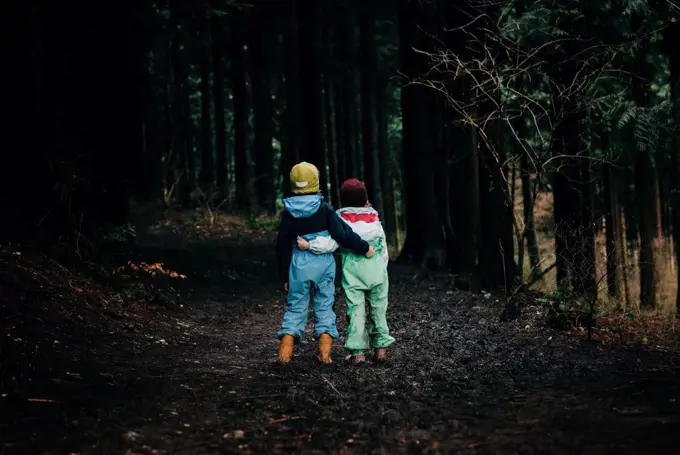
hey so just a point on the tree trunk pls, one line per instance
(261, 45)
(497, 268)
(368, 77)
(657, 205)
(128, 67)
(614, 235)
(207, 172)
(191, 138)
(221, 152)
(245, 196)
(170, 158)
(464, 257)
(671, 37)
(566, 196)
(341, 134)
(329, 110)
(343, 92)
(424, 239)
(357, 132)
(331, 143)
(353, 135)
(464, 171)
(309, 37)
(528, 189)
(154, 143)
(631, 218)
(291, 114)
(389, 214)
(184, 174)
(585, 271)
(644, 187)
(664, 166)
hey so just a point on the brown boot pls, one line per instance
(325, 345)
(286, 348)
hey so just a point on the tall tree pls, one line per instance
(292, 112)
(245, 196)
(528, 190)
(644, 177)
(368, 78)
(584, 267)
(339, 65)
(613, 231)
(312, 126)
(497, 268)
(389, 210)
(221, 152)
(262, 72)
(463, 140)
(671, 37)
(185, 173)
(425, 242)
(330, 77)
(207, 172)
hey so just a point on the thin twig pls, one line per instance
(332, 386)
(286, 419)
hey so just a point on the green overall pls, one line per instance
(366, 278)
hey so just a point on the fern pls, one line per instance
(648, 128)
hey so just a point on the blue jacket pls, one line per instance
(309, 214)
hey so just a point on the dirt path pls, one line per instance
(203, 380)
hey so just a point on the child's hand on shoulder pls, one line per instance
(370, 252)
(302, 243)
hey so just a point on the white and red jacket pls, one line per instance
(364, 221)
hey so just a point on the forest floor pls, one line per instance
(172, 365)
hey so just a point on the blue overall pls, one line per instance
(309, 217)
(306, 270)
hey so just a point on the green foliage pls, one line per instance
(649, 128)
(264, 223)
(607, 38)
(120, 234)
(639, 7)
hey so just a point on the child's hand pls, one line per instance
(370, 252)
(302, 243)
(285, 287)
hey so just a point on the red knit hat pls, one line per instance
(353, 193)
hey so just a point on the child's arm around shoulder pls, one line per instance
(343, 234)
(319, 245)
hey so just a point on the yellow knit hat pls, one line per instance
(304, 178)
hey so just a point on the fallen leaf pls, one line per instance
(132, 436)
(236, 434)
(526, 422)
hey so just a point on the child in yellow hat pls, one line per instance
(306, 215)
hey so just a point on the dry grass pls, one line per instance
(666, 278)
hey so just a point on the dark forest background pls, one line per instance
(515, 144)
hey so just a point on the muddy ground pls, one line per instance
(192, 371)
